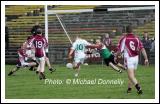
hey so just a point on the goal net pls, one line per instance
(64, 25)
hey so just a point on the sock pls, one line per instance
(129, 89)
(31, 68)
(42, 74)
(137, 86)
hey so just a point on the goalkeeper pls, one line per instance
(108, 57)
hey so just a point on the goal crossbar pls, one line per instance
(131, 8)
(69, 11)
(56, 12)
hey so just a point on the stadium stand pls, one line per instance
(20, 20)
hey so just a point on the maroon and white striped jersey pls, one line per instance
(40, 43)
(130, 45)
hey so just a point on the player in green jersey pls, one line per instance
(108, 57)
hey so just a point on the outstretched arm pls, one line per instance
(70, 53)
(94, 46)
(145, 56)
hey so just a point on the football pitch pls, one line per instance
(94, 82)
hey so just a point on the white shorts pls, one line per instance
(30, 54)
(131, 62)
(40, 59)
(79, 60)
(22, 62)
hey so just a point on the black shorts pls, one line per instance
(110, 59)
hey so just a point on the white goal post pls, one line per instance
(59, 19)
(56, 12)
(62, 25)
(47, 12)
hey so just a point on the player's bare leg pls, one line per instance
(121, 66)
(13, 70)
(49, 65)
(115, 67)
(77, 69)
(18, 67)
(38, 69)
(32, 67)
(129, 86)
(41, 70)
(48, 62)
(131, 76)
(32, 64)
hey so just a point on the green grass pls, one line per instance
(24, 84)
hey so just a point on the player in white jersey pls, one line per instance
(78, 48)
